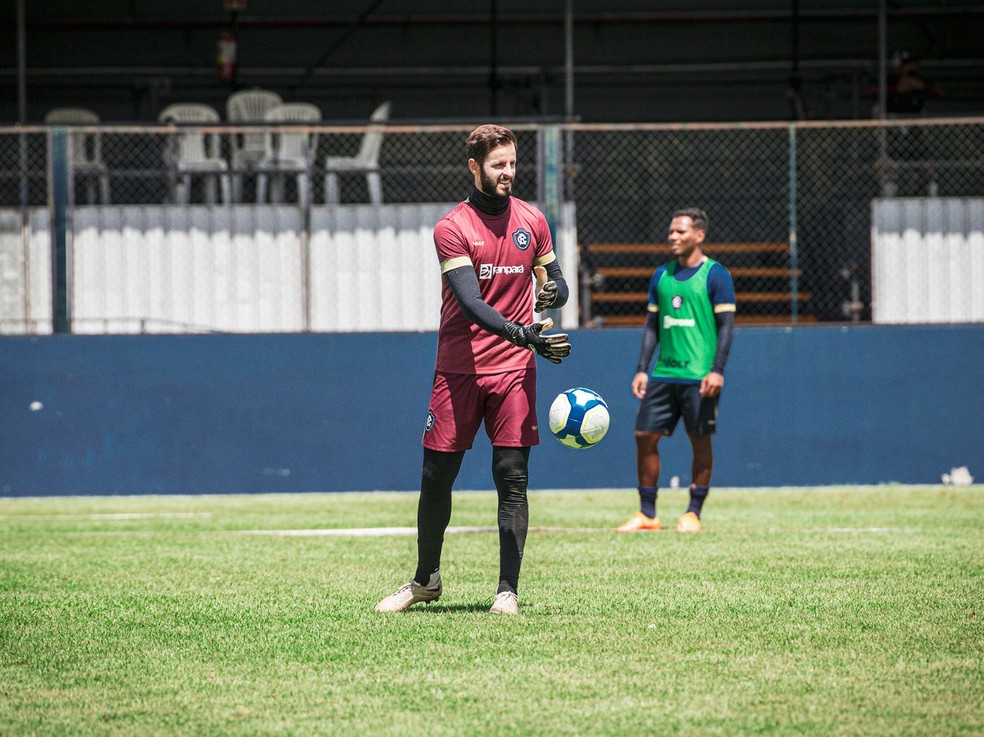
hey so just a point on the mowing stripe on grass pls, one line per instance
(120, 515)
(362, 531)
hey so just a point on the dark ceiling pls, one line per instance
(697, 60)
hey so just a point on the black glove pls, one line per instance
(546, 291)
(554, 348)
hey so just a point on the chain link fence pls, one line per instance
(790, 207)
(152, 229)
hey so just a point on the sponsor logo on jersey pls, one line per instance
(673, 363)
(478, 243)
(677, 301)
(676, 322)
(487, 271)
(522, 238)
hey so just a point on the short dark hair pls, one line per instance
(485, 138)
(699, 217)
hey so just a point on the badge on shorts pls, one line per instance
(522, 238)
(429, 424)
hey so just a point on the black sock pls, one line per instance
(697, 496)
(510, 472)
(647, 500)
(434, 509)
(505, 586)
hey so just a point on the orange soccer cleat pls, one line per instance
(640, 523)
(689, 522)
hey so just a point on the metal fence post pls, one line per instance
(59, 184)
(305, 280)
(551, 201)
(551, 178)
(793, 247)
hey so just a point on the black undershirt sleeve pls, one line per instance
(464, 286)
(726, 331)
(650, 338)
(555, 275)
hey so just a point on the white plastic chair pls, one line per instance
(85, 150)
(287, 152)
(192, 152)
(366, 160)
(248, 149)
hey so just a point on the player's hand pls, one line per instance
(710, 385)
(546, 291)
(554, 348)
(639, 383)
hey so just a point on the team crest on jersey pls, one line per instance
(522, 238)
(429, 424)
(677, 302)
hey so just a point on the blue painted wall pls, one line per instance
(331, 412)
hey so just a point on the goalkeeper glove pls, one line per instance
(546, 291)
(554, 348)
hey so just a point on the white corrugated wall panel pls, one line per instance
(25, 272)
(374, 268)
(975, 241)
(566, 248)
(164, 269)
(40, 268)
(13, 260)
(242, 268)
(927, 260)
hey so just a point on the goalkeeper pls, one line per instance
(489, 247)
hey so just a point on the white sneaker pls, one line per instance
(506, 602)
(411, 593)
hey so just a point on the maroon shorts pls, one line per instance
(460, 402)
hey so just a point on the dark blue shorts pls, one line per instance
(664, 404)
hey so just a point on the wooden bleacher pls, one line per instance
(618, 276)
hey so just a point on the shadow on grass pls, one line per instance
(451, 608)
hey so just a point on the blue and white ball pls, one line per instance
(579, 418)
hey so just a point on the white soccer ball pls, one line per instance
(579, 418)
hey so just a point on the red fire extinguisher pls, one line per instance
(226, 57)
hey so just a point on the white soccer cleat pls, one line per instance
(411, 593)
(506, 602)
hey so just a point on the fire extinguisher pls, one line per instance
(226, 57)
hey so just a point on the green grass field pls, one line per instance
(822, 611)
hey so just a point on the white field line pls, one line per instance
(387, 531)
(453, 530)
(360, 531)
(120, 515)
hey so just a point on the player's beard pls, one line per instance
(489, 187)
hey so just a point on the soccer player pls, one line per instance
(691, 317)
(488, 248)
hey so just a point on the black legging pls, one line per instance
(510, 472)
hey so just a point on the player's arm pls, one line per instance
(552, 291)
(464, 285)
(650, 339)
(721, 289)
(726, 331)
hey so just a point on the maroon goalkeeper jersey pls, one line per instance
(503, 249)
